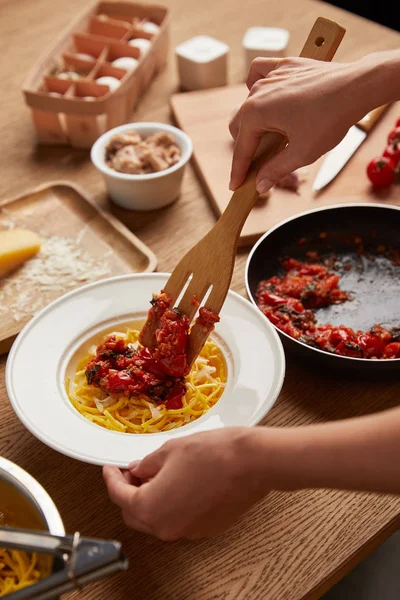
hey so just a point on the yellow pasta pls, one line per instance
(17, 570)
(205, 385)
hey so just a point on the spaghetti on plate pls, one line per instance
(139, 412)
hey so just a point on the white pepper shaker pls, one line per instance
(264, 42)
(202, 63)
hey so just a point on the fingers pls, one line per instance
(247, 142)
(121, 492)
(234, 125)
(260, 68)
(275, 169)
(124, 495)
(131, 479)
(149, 466)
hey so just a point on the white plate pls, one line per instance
(39, 358)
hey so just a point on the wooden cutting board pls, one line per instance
(80, 244)
(205, 117)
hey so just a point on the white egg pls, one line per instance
(68, 75)
(84, 56)
(141, 43)
(55, 94)
(111, 82)
(89, 98)
(150, 27)
(125, 62)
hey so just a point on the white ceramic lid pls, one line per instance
(266, 38)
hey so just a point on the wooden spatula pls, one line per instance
(210, 262)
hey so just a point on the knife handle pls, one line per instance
(367, 123)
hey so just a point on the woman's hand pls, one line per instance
(199, 485)
(192, 487)
(313, 103)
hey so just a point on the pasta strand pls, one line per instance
(205, 386)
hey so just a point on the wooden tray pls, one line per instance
(205, 116)
(60, 112)
(80, 244)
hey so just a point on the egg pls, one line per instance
(150, 27)
(141, 43)
(111, 82)
(84, 56)
(55, 94)
(89, 98)
(68, 75)
(125, 62)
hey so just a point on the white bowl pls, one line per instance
(143, 192)
(48, 344)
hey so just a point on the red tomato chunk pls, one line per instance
(158, 372)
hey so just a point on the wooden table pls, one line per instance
(291, 546)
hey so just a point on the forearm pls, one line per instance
(376, 80)
(356, 454)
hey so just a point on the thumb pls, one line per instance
(149, 466)
(275, 169)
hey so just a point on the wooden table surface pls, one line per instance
(291, 546)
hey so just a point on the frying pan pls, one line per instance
(374, 283)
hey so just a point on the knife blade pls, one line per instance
(337, 158)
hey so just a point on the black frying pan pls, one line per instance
(375, 283)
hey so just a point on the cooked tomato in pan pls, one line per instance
(289, 301)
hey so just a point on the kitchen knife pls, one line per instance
(336, 159)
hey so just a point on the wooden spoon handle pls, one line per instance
(321, 44)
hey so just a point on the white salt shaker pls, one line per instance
(264, 41)
(202, 63)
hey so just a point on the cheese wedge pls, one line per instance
(16, 247)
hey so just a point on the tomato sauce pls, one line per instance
(288, 302)
(158, 371)
(207, 319)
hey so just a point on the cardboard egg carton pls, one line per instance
(68, 105)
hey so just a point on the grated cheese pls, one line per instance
(60, 266)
